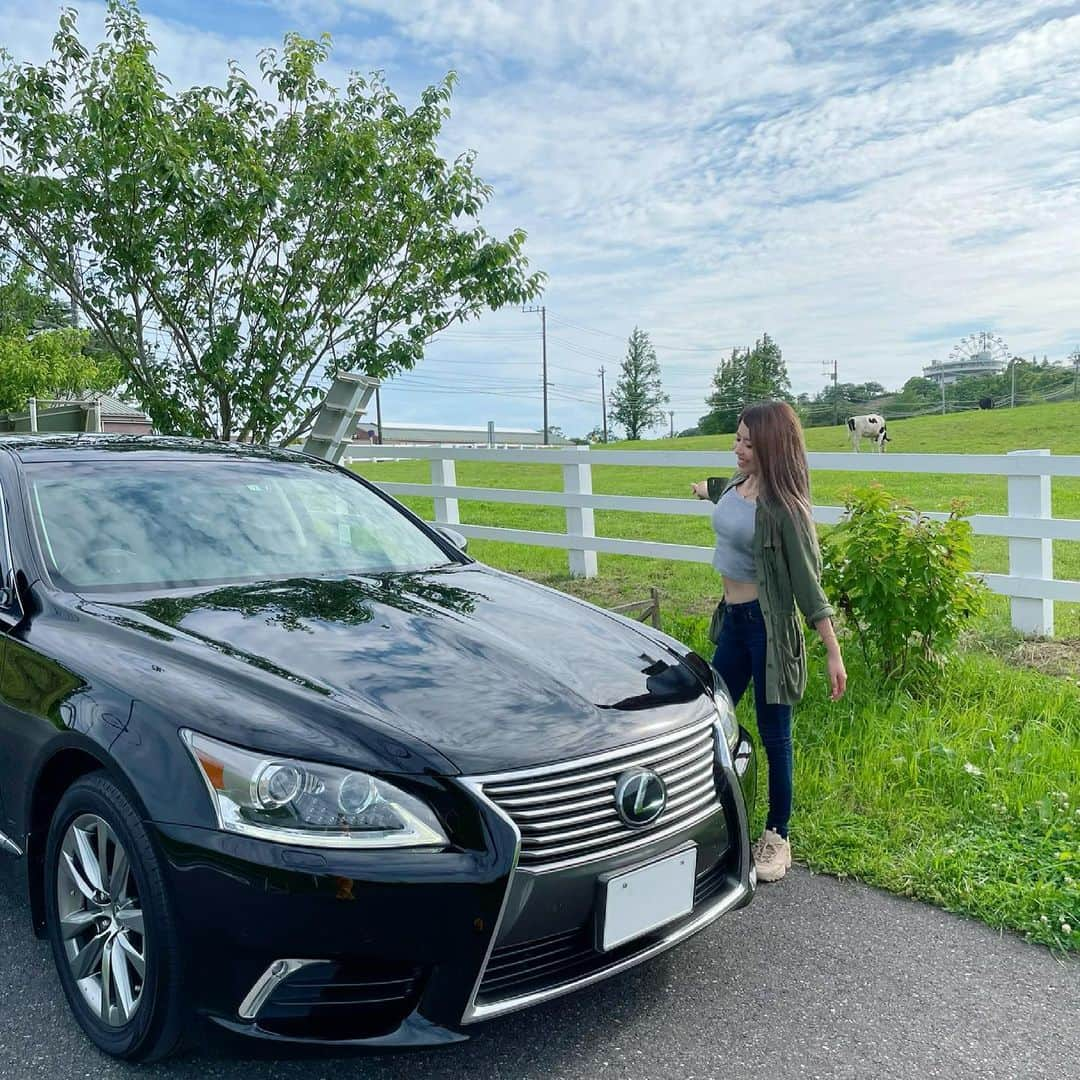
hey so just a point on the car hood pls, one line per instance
(491, 671)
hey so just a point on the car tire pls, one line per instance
(110, 923)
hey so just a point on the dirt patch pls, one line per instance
(1050, 657)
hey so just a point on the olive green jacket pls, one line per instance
(788, 565)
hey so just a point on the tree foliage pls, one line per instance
(1033, 380)
(919, 390)
(40, 356)
(236, 252)
(638, 400)
(748, 375)
(849, 393)
(25, 305)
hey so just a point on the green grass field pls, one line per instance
(690, 586)
(968, 795)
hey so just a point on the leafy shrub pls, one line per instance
(902, 580)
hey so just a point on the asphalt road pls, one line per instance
(816, 979)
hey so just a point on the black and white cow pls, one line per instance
(870, 426)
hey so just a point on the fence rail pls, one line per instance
(1029, 525)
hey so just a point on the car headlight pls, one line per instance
(298, 802)
(726, 724)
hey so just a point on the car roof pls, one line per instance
(90, 446)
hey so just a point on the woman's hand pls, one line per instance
(700, 489)
(837, 674)
(835, 661)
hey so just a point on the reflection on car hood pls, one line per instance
(493, 672)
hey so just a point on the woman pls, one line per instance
(767, 553)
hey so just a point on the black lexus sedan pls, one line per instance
(275, 752)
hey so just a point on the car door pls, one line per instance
(36, 685)
(9, 613)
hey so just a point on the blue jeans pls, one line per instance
(740, 657)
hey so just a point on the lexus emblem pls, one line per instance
(640, 796)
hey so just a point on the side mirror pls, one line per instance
(455, 538)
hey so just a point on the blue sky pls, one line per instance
(865, 181)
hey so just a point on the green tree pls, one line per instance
(748, 375)
(728, 395)
(235, 252)
(40, 356)
(638, 400)
(766, 373)
(918, 391)
(850, 393)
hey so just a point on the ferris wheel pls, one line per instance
(984, 348)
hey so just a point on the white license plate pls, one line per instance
(640, 900)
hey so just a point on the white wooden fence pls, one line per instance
(1029, 526)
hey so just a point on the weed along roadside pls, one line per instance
(960, 787)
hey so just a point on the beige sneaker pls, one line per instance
(772, 856)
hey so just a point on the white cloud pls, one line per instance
(848, 181)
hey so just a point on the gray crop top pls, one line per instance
(733, 522)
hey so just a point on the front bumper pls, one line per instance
(400, 948)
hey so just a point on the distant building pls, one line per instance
(452, 434)
(978, 354)
(89, 411)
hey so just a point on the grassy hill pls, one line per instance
(993, 431)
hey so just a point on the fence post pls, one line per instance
(33, 414)
(1029, 496)
(444, 474)
(577, 480)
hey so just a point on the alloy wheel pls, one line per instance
(101, 919)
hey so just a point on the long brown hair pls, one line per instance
(777, 439)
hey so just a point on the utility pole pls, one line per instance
(1075, 358)
(836, 395)
(1012, 371)
(603, 400)
(543, 353)
(378, 414)
(671, 416)
(942, 395)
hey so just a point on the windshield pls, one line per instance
(135, 524)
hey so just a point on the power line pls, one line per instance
(656, 344)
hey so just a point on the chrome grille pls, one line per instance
(566, 812)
